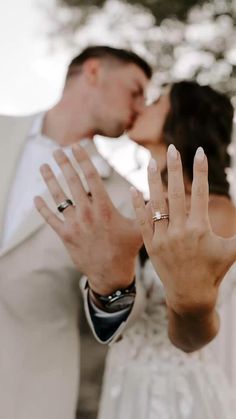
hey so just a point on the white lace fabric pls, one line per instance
(147, 377)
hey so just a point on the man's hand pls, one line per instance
(101, 242)
(189, 258)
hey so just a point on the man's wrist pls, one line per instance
(120, 299)
(92, 297)
(193, 306)
(108, 283)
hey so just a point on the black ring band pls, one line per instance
(65, 204)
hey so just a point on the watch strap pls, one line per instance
(105, 302)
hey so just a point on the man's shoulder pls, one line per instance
(11, 124)
(5, 118)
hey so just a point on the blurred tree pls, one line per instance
(181, 39)
(160, 9)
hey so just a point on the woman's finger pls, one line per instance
(157, 198)
(200, 190)
(176, 190)
(142, 217)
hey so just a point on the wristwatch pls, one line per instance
(119, 300)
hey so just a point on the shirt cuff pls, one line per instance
(106, 324)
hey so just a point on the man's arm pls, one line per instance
(102, 243)
(108, 327)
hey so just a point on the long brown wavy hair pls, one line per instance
(201, 116)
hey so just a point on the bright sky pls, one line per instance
(28, 80)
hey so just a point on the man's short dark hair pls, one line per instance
(105, 52)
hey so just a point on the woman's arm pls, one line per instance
(189, 258)
(192, 332)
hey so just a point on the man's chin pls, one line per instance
(116, 131)
(132, 136)
(136, 139)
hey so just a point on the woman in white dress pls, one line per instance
(147, 377)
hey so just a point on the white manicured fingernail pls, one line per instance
(172, 152)
(200, 154)
(152, 165)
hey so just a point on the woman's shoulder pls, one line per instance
(222, 214)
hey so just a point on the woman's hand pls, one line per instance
(189, 258)
(101, 242)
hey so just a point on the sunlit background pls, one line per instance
(38, 38)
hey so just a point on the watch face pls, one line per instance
(120, 303)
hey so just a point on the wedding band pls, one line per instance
(65, 204)
(158, 216)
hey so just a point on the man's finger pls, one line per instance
(93, 179)
(48, 215)
(72, 178)
(55, 189)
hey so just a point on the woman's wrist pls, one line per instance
(192, 332)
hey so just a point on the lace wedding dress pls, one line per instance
(147, 377)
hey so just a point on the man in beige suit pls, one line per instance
(39, 351)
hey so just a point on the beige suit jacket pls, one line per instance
(39, 347)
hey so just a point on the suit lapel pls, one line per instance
(13, 132)
(33, 220)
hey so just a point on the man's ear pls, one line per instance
(91, 70)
